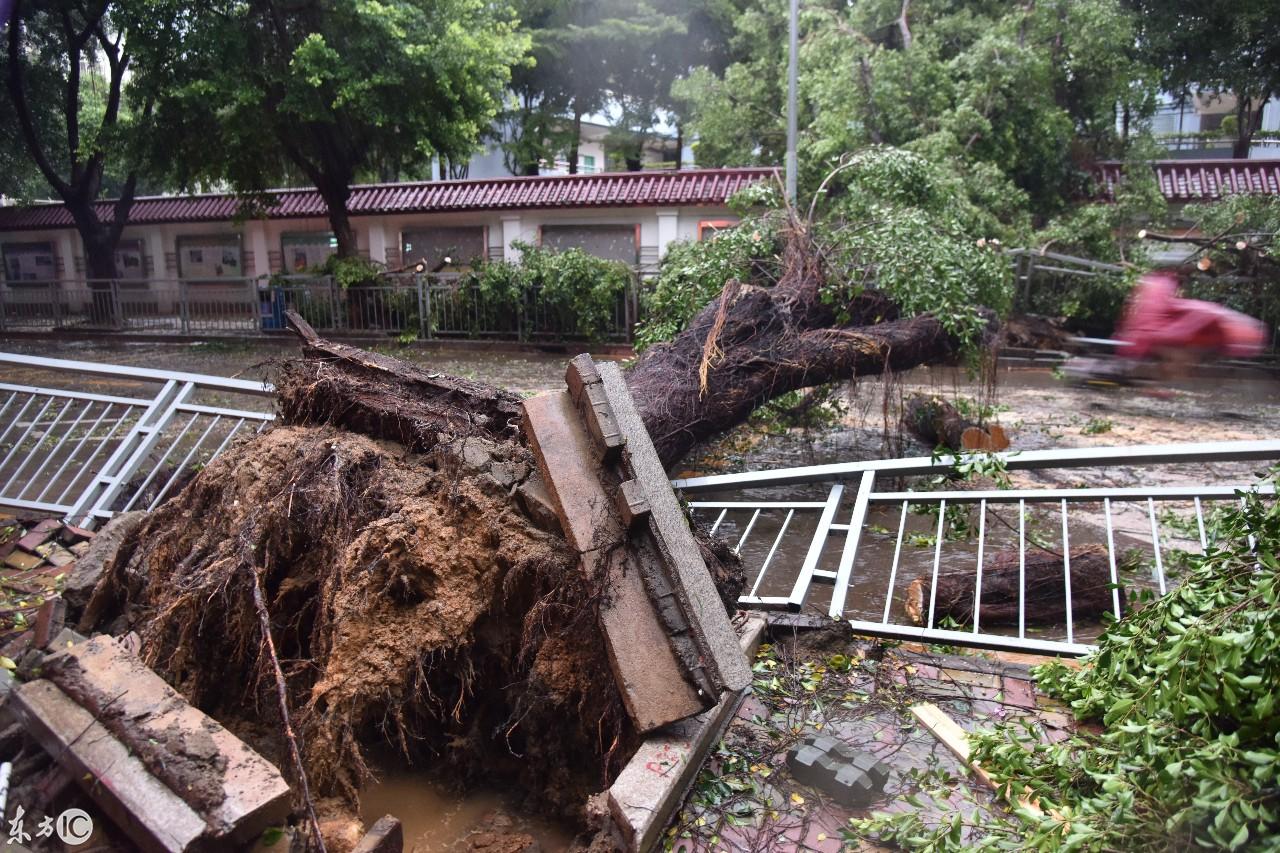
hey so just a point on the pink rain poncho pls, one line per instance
(1157, 319)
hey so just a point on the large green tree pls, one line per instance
(330, 88)
(1227, 46)
(1024, 93)
(65, 69)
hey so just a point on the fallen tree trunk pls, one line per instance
(939, 424)
(1042, 581)
(413, 596)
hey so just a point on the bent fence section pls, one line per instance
(422, 306)
(865, 541)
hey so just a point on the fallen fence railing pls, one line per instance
(85, 455)
(804, 554)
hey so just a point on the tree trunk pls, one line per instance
(752, 344)
(679, 147)
(99, 259)
(1042, 582)
(1248, 122)
(938, 423)
(335, 197)
(576, 141)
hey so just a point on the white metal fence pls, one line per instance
(851, 553)
(85, 455)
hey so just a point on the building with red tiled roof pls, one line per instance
(630, 216)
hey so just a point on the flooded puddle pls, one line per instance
(437, 820)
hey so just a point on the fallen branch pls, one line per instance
(282, 694)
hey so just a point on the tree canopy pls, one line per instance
(327, 89)
(1222, 48)
(1019, 96)
(70, 129)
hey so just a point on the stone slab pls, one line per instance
(653, 784)
(114, 684)
(154, 818)
(21, 561)
(695, 589)
(646, 669)
(385, 836)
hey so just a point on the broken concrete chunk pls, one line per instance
(385, 836)
(633, 506)
(649, 675)
(698, 596)
(852, 777)
(99, 552)
(154, 817)
(536, 502)
(580, 373)
(597, 415)
(235, 790)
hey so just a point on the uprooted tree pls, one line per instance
(418, 599)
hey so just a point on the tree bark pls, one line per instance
(577, 139)
(1042, 585)
(752, 344)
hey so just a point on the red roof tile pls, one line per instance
(1201, 180)
(690, 187)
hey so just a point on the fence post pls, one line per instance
(1028, 265)
(117, 307)
(255, 305)
(55, 297)
(3, 310)
(339, 311)
(184, 310)
(424, 306)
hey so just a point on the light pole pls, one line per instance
(792, 129)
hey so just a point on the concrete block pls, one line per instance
(633, 506)
(646, 668)
(850, 776)
(694, 587)
(385, 836)
(597, 415)
(154, 818)
(536, 502)
(653, 784)
(98, 553)
(235, 790)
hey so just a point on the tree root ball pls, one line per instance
(412, 604)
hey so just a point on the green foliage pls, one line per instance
(1186, 690)
(1097, 426)
(1003, 91)
(900, 222)
(692, 274)
(350, 272)
(583, 290)
(324, 90)
(812, 409)
(1246, 279)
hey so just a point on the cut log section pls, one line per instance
(936, 422)
(1045, 590)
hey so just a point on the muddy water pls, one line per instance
(436, 820)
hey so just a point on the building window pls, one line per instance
(588, 164)
(615, 242)
(708, 228)
(129, 260)
(210, 257)
(303, 252)
(444, 248)
(29, 262)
